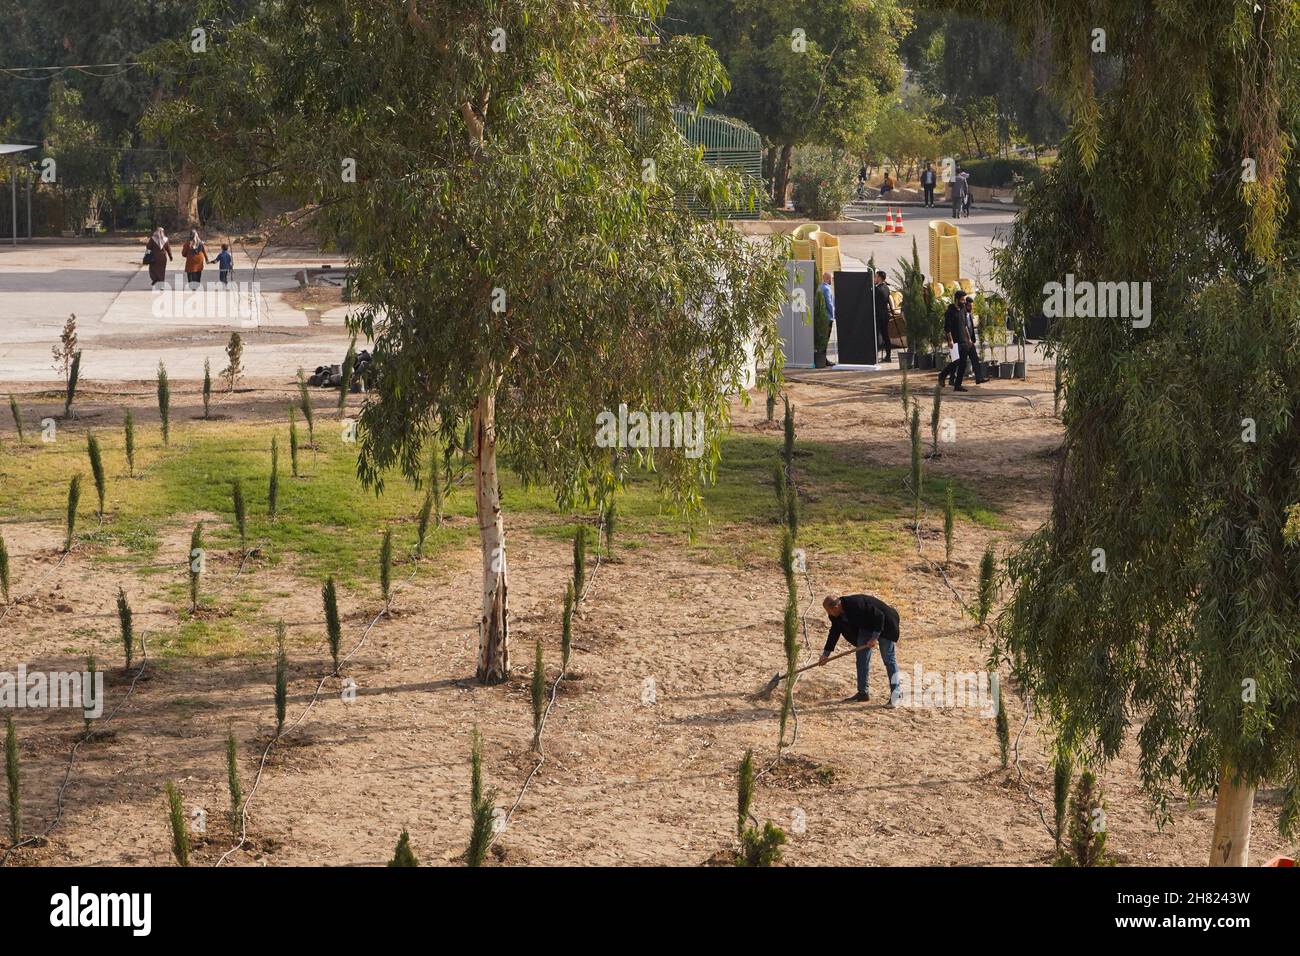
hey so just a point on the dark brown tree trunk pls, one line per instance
(782, 175)
(187, 196)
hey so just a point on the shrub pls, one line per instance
(761, 847)
(1002, 173)
(823, 182)
(234, 361)
(402, 855)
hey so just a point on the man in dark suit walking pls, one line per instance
(865, 622)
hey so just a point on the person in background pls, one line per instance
(955, 331)
(157, 253)
(827, 291)
(957, 193)
(195, 255)
(864, 621)
(862, 181)
(884, 312)
(927, 184)
(225, 264)
(972, 355)
(886, 186)
(966, 194)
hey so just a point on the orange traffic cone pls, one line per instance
(898, 223)
(889, 222)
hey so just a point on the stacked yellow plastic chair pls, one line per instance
(828, 253)
(805, 243)
(945, 252)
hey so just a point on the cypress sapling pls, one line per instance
(125, 626)
(611, 519)
(986, 586)
(4, 569)
(403, 855)
(744, 791)
(566, 639)
(179, 826)
(198, 562)
(97, 471)
(386, 567)
(88, 691)
(74, 373)
(935, 411)
(232, 781)
(333, 629)
(538, 694)
(207, 388)
(281, 678)
(293, 443)
(914, 434)
(74, 498)
(482, 803)
(128, 426)
(18, 417)
(787, 450)
(1003, 728)
(241, 517)
(422, 526)
(273, 490)
(949, 516)
(165, 404)
(13, 777)
(234, 362)
(579, 562)
(308, 414)
(1062, 771)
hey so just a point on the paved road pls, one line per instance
(124, 329)
(977, 233)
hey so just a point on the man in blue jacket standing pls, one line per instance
(865, 622)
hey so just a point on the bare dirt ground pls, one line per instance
(624, 781)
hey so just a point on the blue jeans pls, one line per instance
(863, 660)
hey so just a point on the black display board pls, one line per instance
(855, 322)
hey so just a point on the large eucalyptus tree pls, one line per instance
(512, 188)
(1162, 599)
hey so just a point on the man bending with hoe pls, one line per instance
(864, 621)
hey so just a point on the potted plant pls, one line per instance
(916, 310)
(1018, 327)
(996, 307)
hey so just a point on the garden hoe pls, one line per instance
(766, 690)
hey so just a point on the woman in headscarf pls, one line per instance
(195, 254)
(157, 253)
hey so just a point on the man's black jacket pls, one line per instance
(861, 616)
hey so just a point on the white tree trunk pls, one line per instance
(1232, 822)
(493, 632)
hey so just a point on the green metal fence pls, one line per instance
(727, 143)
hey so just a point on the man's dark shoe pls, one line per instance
(858, 698)
(960, 388)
